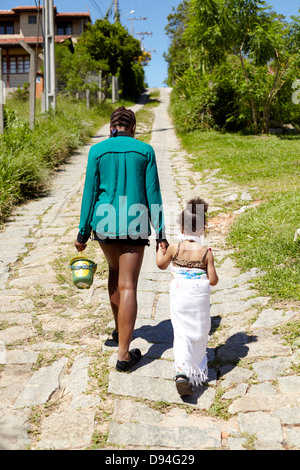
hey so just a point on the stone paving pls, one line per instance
(58, 385)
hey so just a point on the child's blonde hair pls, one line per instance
(192, 219)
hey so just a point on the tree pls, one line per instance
(113, 45)
(264, 44)
(177, 57)
(74, 68)
(237, 48)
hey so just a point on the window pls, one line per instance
(31, 19)
(19, 64)
(4, 65)
(7, 27)
(26, 64)
(12, 65)
(64, 28)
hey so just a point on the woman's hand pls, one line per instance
(80, 246)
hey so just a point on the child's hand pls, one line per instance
(163, 246)
(164, 254)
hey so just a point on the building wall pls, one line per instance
(27, 29)
(16, 79)
(77, 27)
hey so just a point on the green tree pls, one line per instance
(239, 50)
(177, 58)
(264, 44)
(73, 69)
(112, 44)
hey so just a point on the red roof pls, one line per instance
(17, 10)
(7, 12)
(73, 14)
(29, 40)
(28, 8)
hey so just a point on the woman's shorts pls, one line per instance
(123, 241)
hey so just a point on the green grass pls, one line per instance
(263, 236)
(264, 239)
(264, 161)
(28, 157)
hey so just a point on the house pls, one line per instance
(25, 23)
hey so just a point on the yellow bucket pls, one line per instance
(83, 270)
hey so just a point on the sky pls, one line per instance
(156, 12)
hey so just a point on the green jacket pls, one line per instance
(121, 195)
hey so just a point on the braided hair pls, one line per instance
(122, 117)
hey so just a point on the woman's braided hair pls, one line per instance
(122, 117)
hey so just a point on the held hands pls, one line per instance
(163, 245)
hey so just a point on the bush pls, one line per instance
(190, 114)
(22, 92)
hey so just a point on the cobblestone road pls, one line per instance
(52, 336)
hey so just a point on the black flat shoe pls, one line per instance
(124, 366)
(183, 386)
(115, 336)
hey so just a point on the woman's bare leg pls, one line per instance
(130, 262)
(124, 268)
(111, 253)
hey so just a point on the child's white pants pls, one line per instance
(190, 317)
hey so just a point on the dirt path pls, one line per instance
(57, 361)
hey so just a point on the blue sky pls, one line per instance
(156, 12)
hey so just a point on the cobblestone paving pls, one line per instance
(55, 356)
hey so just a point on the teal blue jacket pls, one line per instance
(121, 196)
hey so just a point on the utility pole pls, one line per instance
(141, 37)
(135, 19)
(49, 55)
(117, 13)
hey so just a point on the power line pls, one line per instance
(102, 6)
(97, 7)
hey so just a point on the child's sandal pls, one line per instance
(183, 386)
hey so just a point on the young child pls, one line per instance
(193, 272)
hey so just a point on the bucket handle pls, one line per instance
(91, 267)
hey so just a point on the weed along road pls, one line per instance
(58, 385)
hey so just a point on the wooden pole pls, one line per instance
(32, 81)
(113, 87)
(117, 13)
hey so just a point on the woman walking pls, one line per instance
(121, 200)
